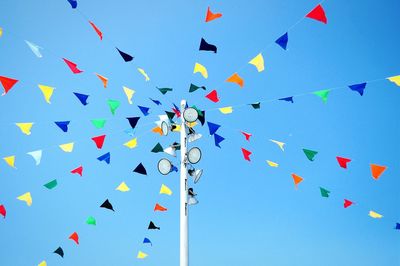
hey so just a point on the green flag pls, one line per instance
(114, 104)
(157, 148)
(91, 220)
(51, 184)
(310, 154)
(164, 90)
(195, 88)
(324, 192)
(323, 94)
(98, 123)
(256, 105)
(170, 115)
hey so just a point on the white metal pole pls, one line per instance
(184, 243)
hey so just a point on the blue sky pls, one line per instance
(249, 213)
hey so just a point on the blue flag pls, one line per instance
(105, 157)
(147, 241)
(144, 110)
(73, 3)
(288, 99)
(156, 101)
(133, 121)
(213, 127)
(63, 125)
(283, 41)
(218, 139)
(358, 88)
(82, 98)
(397, 226)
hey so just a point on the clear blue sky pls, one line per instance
(249, 213)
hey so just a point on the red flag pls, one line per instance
(78, 170)
(377, 170)
(318, 13)
(176, 111)
(74, 237)
(98, 31)
(211, 16)
(246, 135)
(7, 83)
(72, 66)
(343, 161)
(246, 154)
(99, 140)
(213, 96)
(160, 208)
(3, 211)
(347, 203)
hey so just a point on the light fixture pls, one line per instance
(192, 201)
(191, 192)
(190, 114)
(196, 174)
(171, 150)
(193, 136)
(164, 166)
(194, 155)
(164, 128)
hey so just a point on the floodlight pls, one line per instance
(164, 128)
(196, 174)
(164, 166)
(194, 155)
(192, 201)
(190, 114)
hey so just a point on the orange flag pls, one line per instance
(235, 78)
(377, 170)
(296, 179)
(103, 79)
(157, 130)
(211, 16)
(160, 208)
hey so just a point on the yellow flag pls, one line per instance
(258, 62)
(10, 160)
(177, 128)
(123, 187)
(1, 32)
(226, 110)
(25, 127)
(131, 144)
(67, 147)
(47, 92)
(395, 79)
(200, 68)
(43, 263)
(129, 94)
(165, 190)
(375, 215)
(280, 144)
(192, 124)
(272, 164)
(141, 70)
(27, 198)
(141, 255)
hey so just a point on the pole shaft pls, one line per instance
(184, 243)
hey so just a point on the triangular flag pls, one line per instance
(144, 110)
(205, 46)
(47, 92)
(1, 31)
(125, 56)
(323, 94)
(343, 161)
(7, 83)
(160, 208)
(77, 170)
(63, 125)
(377, 170)
(347, 203)
(296, 179)
(358, 88)
(98, 123)
(3, 211)
(226, 110)
(105, 157)
(107, 205)
(153, 226)
(283, 41)
(165, 190)
(123, 187)
(37, 156)
(235, 78)
(318, 14)
(157, 148)
(97, 30)
(59, 251)
(201, 69)
(103, 79)
(157, 130)
(375, 215)
(67, 147)
(43, 263)
(279, 143)
(324, 192)
(74, 237)
(50, 185)
(195, 88)
(73, 3)
(131, 144)
(72, 66)
(140, 169)
(258, 62)
(82, 98)
(246, 154)
(211, 16)
(256, 105)
(141, 71)
(27, 198)
(141, 255)
(218, 139)
(202, 117)
(310, 154)
(35, 49)
(157, 102)
(212, 128)
(395, 80)
(25, 127)
(397, 227)
(91, 220)
(287, 99)
(129, 94)
(99, 141)
(113, 104)
(246, 135)
(213, 96)
(147, 241)
(164, 90)
(272, 164)
(133, 121)
(10, 160)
